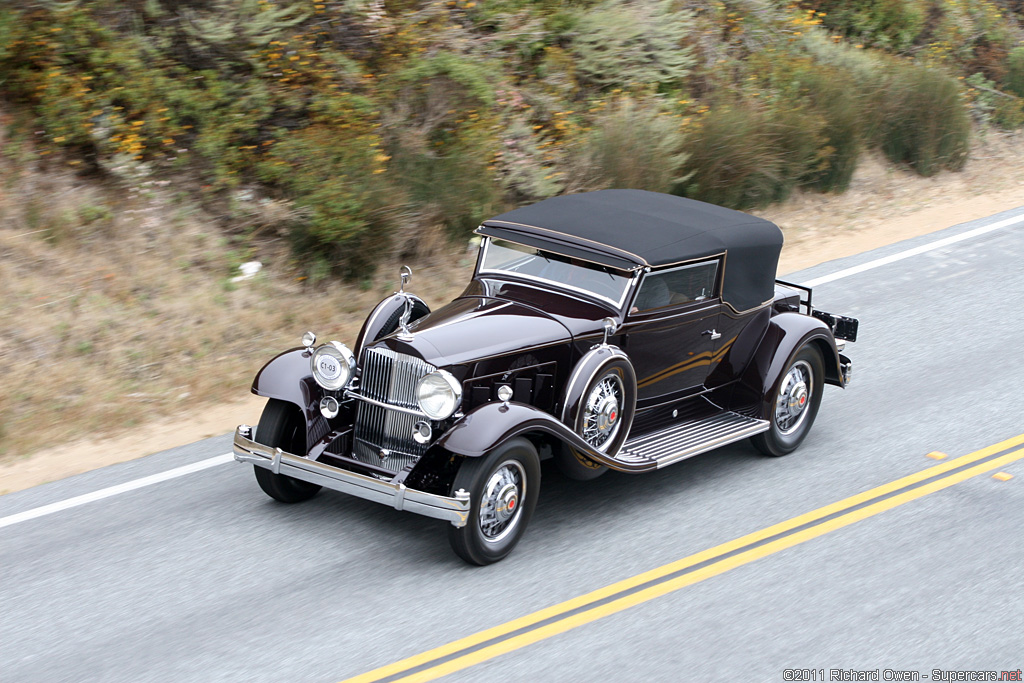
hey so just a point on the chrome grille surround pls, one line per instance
(390, 377)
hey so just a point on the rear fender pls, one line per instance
(787, 333)
(490, 425)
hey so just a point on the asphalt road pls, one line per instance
(203, 578)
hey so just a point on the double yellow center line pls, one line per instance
(616, 597)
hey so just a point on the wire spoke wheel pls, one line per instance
(602, 412)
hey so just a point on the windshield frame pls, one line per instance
(619, 305)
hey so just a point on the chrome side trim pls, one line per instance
(397, 495)
(382, 404)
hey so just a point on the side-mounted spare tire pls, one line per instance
(600, 409)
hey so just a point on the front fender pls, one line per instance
(787, 333)
(490, 425)
(289, 377)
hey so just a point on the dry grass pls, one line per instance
(118, 306)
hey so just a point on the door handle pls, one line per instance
(714, 334)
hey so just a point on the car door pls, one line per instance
(670, 332)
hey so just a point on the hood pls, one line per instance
(478, 327)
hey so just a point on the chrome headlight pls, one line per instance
(333, 365)
(438, 394)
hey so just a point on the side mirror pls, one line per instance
(609, 327)
(405, 275)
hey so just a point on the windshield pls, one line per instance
(563, 272)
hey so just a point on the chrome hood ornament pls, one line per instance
(405, 275)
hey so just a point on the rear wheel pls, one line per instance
(281, 426)
(797, 398)
(503, 487)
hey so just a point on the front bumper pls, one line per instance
(397, 495)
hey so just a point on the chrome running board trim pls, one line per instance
(681, 441)
(396, 495)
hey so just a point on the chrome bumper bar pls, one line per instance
(398, 496)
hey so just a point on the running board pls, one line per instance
(690, 438)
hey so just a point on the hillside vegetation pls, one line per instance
(362, 123)
(148, 147)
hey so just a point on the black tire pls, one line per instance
(578, 466)
(787, 431)
(281, 426)
(516, 457)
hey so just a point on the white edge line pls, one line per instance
(115, 490)
(228, 457)
(892, 258)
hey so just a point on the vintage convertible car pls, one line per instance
(619, 329)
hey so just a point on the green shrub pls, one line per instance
(991, 106)
(631, 145)
(1009, 113)
(801, 146)
(440, 136)
(1015, 71)
(452, 186)
(923, 121)
(635, 43)
(825, 103)
(525, 171)
(734, 160)
(231, 31)
(892, 24)
(336, 178)
(974, 32)
(835, 96)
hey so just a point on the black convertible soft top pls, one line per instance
(629, 229)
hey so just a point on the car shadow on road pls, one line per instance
(351, 527)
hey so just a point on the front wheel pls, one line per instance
(797, 398)
(503, 487)
(281, 426)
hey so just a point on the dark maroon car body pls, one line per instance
(699, 368)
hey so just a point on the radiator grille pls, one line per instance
(390, 377)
